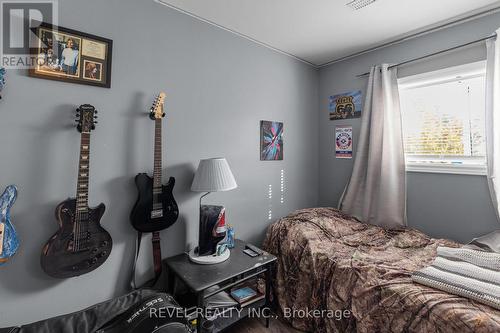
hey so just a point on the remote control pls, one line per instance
(250, 253)
(254, 249)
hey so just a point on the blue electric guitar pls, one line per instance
(9, 243)
(2, 80)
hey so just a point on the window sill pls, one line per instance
(457, 169)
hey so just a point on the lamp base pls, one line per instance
(210, 259)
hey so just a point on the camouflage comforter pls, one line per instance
(329, 261)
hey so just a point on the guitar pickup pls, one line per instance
(156, 213)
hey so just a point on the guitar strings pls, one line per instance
(79, 200)
(85, 200)
(77, 215)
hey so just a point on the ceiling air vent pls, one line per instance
(358, 4)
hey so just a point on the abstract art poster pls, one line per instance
(343, 141)
(271, 140)
(345, 106)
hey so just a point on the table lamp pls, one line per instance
(213, 175)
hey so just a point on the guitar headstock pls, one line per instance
(85, 118)
(157, 107)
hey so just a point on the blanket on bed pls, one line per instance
(465, 272)
(329, 261)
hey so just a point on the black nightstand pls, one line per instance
(234, 271)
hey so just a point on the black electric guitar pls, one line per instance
(81, 244)
(155, 208)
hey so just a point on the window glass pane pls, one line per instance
(477, 108)
(445, 119)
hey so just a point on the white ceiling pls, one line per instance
(320, 31)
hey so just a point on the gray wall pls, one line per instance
(450, 206)
(218, 87)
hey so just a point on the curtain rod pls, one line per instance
(436, 53)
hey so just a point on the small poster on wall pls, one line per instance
(343, 141)
(271, 141)
(345, 106)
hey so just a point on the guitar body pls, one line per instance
(143, 216)
(9, 243)
(60, 260)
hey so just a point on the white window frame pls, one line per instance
(447, 164)
(463, 165)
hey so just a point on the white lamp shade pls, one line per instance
(213, 175)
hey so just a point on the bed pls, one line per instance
(359, 275)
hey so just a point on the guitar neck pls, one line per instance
(157, 162)
(82, 190)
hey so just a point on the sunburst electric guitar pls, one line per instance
(81, 244)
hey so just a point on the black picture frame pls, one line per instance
(87, 59)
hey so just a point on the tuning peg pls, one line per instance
(95, 117)
(77, 110)
(163, 115)
(95, 111)
(95, 122)
(77, 121)
(93, 127)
